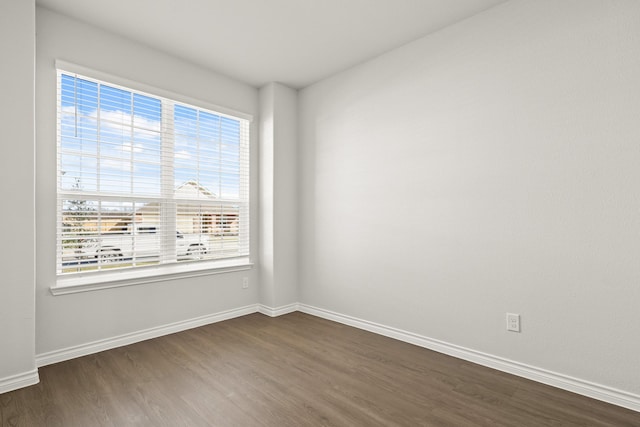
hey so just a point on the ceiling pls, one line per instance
(295, 42)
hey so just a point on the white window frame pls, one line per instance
(86, 281)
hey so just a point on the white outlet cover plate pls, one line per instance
(513, 322)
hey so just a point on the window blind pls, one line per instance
(144, 180)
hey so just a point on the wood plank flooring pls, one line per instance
(293, 370)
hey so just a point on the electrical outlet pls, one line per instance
(513, 322)
(245, 283)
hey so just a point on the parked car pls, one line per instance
(138, 241)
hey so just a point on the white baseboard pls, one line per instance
(15, 382)
(126, 339)
(278, 311)
(134, 337)
(575, 385)
(585, 388)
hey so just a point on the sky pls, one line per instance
(124, 143)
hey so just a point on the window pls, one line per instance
(146, 182)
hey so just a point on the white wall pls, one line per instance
(285, 179)
(77, 319)
(490, 167)
(17, 216)
(278, 196)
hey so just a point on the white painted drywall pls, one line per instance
(285, 181)
(17, 216)
(491, 167)
(278, 195)
(68, 320)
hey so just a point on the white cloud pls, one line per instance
(116, 123)
(119, 122)
(183, 155)
(115, 165)
(127, 147)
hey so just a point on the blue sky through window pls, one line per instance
(111, 142)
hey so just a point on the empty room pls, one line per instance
(320, 213)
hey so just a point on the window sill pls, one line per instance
(92, 282)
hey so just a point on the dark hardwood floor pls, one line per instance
(294, 370)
